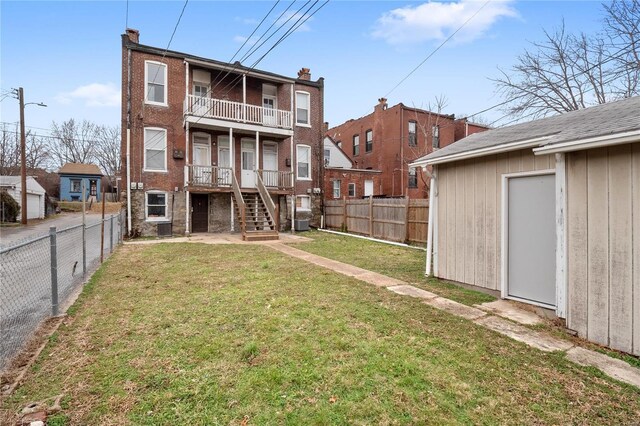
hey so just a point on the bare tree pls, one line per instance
(566, 72)
(107, 150)
(73, 142)
(36, 150)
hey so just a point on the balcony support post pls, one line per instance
(256, 165)
(244, 98)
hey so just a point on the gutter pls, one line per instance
(595, 142)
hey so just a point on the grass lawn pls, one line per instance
(197, 334)
(394, 261)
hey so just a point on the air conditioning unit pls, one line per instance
(317, 190)
(164, 229)
(301, 224)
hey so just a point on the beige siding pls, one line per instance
(469, 215)
(603, 242)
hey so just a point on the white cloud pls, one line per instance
(93, 95)
(295, 16)
(242, 39)
(437, 21)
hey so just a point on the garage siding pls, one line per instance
(469, 215)
(603, 243)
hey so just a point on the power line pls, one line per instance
(438, 48)
(254, 31)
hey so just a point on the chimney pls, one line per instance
(382, 105)
(304, 74)
(134, 35)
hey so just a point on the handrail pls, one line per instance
(266, 198)
(241, 204)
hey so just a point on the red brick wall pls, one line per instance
(347, 176)
(391, 152)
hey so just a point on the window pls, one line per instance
(76, 185)
(435, 131)
(413, 177)
(327, 157)
(303, 202)
(302, 108)
(356, 145)
(155, 150)
(336, 189)
(156, 205)
(413, 135)
(369, 140)
(303, 155)
(352, 190)
(156, 83)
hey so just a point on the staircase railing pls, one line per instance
(241, 204)
(267, 200)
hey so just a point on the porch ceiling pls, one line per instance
(245, 128)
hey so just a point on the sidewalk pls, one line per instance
(484, 317)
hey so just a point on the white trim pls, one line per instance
(218, 124)
(529, 143)
(166, 207)
(504, 249)
(144, 154)
(430, 226)
(561, 237)
(392, 243)
(302, 209)
(355, 188)
(595, 142)
(434, 205)
(308, 124)
(146, 84)
(310, 154)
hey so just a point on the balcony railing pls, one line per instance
(209, 176)
(237, 111)
(276, 178)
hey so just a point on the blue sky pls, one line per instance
(67, 54)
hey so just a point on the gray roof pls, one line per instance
(601, 120)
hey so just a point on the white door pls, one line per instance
(531, 239)
(368, 188)
(34, 207)
(200, 103)
(270, 164)
(201, 159)
(248, 164)
(224, 161)
(269, 104)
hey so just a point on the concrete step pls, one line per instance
(260, 236)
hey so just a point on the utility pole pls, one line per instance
(23, 154)
(23, 161)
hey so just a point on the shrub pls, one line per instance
(9, 208)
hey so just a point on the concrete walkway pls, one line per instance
(484, 317)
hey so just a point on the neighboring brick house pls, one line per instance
(392, 137)
(342, 180)
(209, 146)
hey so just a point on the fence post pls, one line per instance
(371, 215)
(54, 271)
(111, 235)
(84, 232)
(344, 214)
(406, 221)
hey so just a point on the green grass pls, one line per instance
(198, 334)
(394, 261)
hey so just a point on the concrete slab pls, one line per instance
(510, 310)
(409, 290)
(378, 280)
(615, 368)
(455, 308)
(522, 334)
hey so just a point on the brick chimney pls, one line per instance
(304, 74)
(382, 105)
(134, 35)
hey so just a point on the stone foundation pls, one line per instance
(219, 212)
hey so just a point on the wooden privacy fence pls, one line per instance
(392, 219)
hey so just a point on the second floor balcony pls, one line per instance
(220, 109)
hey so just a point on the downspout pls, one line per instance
(401, 151)
(129, 141)
(187, 197)
(430, 225)
(293, 167)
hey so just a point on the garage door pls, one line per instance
(531, 239)
(33, 206)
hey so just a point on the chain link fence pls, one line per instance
(39, 276)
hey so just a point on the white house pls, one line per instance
(35, 194)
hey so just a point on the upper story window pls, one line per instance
(435, 133)
(303, 156)
(302, 108)
(413, 133)
(356, 145)
(155, 150)
(327, 157)
(155, 77)
(369, 140)
(413, 177)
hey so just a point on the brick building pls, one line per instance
(392, 137)
(209, 146)
(342, 180)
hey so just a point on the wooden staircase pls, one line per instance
(258, 224)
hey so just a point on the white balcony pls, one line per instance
(238, 112)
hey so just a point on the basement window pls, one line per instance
(156, 205)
